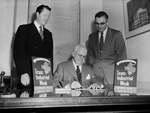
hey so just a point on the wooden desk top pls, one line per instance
(98, 103)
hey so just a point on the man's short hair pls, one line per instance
(101, 14)
(41, 7)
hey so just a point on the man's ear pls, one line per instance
(37, 14)
(73, 54)
(107, 23)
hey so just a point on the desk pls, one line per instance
(135, 103)
(59, 103)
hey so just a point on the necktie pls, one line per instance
(41, 32)
(78, 74)
(101, 42)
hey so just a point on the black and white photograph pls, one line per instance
(74, 56)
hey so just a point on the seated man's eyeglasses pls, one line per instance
(80, 55)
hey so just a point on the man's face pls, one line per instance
(43, 17)
(101, 23)
(79, 56)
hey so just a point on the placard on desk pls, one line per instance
(125, 77)
(42, 75)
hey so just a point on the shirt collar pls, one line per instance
(105, 31)
(75, 65)
(37, 25)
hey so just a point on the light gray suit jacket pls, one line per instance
(66, 73)
(114, 50)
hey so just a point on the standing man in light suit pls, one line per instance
(32, 40)
(102, 55)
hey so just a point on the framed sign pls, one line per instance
(42, 75)
(137, 17)
(125, 81)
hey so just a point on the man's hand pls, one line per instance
(68, 86)
(25, 79)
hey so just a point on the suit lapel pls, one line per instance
(107, 39)
(34, 29)
(72, 70)
(36, 32)
(96, 43)
(84, 71)
(86, 76)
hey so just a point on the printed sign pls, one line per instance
(126, 77)
(42, 75)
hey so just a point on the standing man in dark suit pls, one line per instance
(32, 40)
(102, 55)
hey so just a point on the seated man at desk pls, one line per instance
(75, 70)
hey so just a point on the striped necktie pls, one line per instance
(101, 42)
(41, 32)
(79, 74)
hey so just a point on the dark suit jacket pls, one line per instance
(66, 73)
(114, 50)
(28, 43)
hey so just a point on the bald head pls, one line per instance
(79, 48)
(79, 54)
